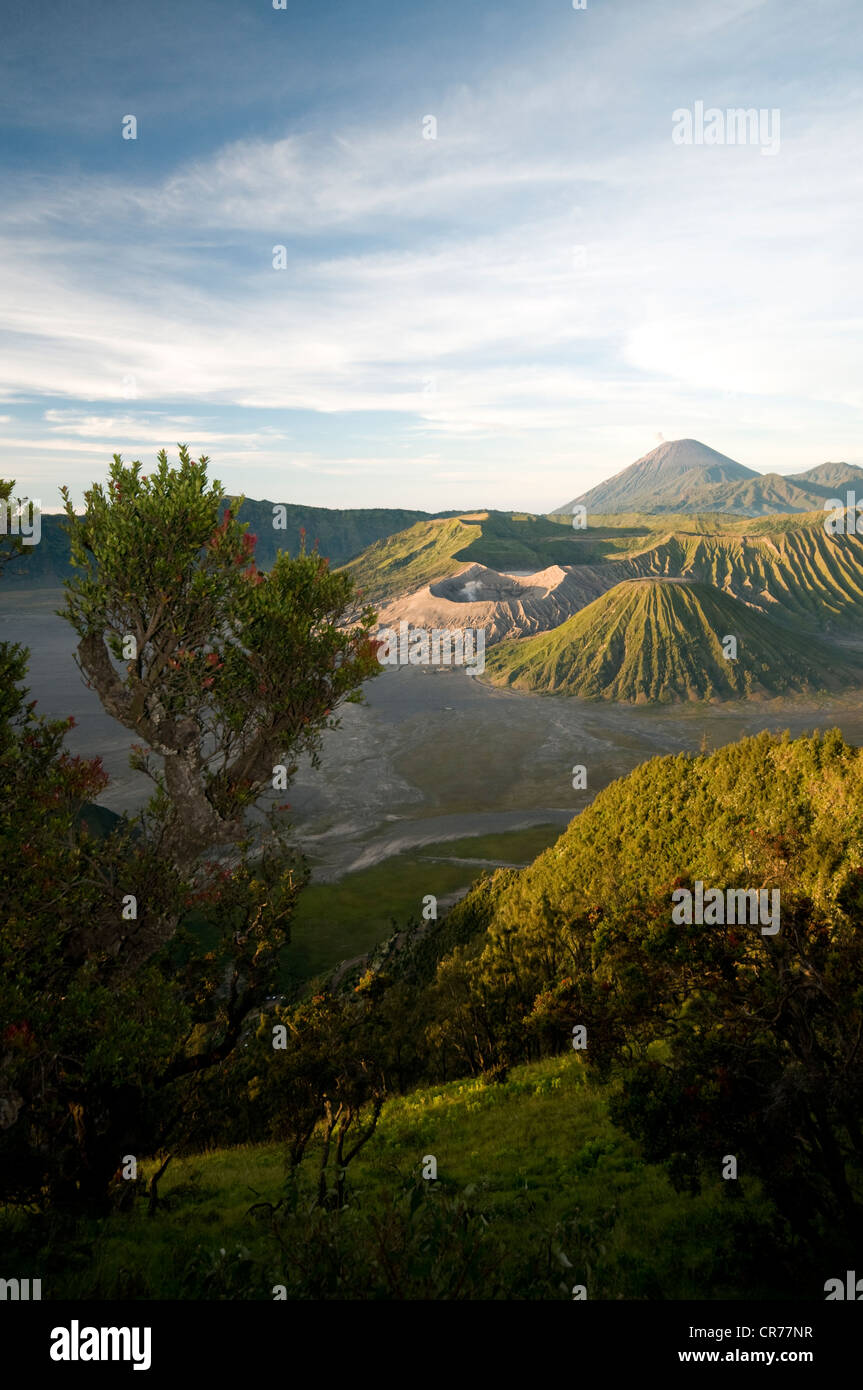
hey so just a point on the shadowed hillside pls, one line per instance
(338, 533)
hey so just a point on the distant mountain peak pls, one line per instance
(684, 475)
(684, 454)
(660, 472)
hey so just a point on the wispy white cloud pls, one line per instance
(438, 282)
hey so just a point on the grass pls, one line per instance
(536, 1191)
(337, 921)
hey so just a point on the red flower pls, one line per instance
(18, 1032)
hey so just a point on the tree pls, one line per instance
(733, 1043)
(229, 671)
(331, 1073)
(113, 999)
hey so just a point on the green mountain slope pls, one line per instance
(401, 563)
(661, 640)
(792, 571)
(802, 795)
(682, 814)
(434, 549)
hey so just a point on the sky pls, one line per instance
(502, 277)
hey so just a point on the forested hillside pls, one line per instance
(338, 533)
(724, 1040)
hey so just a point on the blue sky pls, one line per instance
(500, 316)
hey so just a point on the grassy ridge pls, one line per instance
(658, 640)
(795, 573)
(399, 564)
(702, 812)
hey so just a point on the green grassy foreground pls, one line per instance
(536, 1192)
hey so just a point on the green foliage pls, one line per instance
(112, 1009)
(756, 1035)
(536, 1191)
(233, 671)
(105, 1022)
(759, 1056)
(331, 1072)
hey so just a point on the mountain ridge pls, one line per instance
(686, 475)
(341, 534)
(516, 577)
(662, 640)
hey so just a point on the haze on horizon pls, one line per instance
(502, 316)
